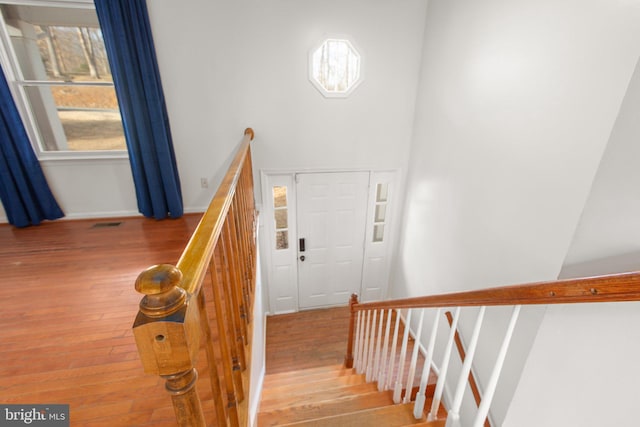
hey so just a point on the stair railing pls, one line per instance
(174, 321)
(611, 288)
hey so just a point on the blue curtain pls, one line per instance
(24, 191)
(127, 37)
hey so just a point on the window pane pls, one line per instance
(77, 118)
(76, 96)
(381, 210)
(76, 53)
(67, 53)
(378, 232)
(336, 66)
(281, 218)
(92, 130)
(282, 239)
(279, 197)
(381, 192)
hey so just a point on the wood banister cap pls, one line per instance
(249, 131)
(161, 286)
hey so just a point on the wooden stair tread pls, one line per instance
(303, 385)
(334, 396)
(435, 423)
(388, 416)
(344, 404)
(316, 369)
(314, 396)
(311, 374)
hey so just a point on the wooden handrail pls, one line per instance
(610, 288)
(206, 235)
(173, 313)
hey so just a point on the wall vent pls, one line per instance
(106, 224)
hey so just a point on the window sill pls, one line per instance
(82, 155)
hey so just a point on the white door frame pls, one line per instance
(281, 265)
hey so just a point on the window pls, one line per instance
(280, 216)
(55, 59)
(382, 197)
(334, 67)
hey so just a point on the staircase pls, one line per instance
(333, 396)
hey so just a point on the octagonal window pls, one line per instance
(334, 67)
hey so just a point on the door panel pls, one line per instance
(331, 212)
(280, 224)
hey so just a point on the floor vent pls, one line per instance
(105, 224)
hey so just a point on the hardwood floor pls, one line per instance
(306, 339)
(316, 338)
(68, 306)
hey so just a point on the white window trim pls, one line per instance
(14, 78)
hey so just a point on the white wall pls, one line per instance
(610, 223)
(90, 188)
(229, 65)
(258, 346)
(583, 369)
(516, 104)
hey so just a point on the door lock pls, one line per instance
(302, 258)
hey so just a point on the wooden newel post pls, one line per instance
(348, 359)
(167, 334)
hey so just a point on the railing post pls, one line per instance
(370, 353)
(214, 377)
(414, 359)
(384, 366)
(421, 398)
(392, 354)
(483, 410)
(168, 338)
(453, 417)
(348, 359)
(397, 390)
(186, 403)
(444, 367)
(376, 363)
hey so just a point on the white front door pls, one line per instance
(331, 221)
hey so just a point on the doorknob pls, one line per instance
(302, 258)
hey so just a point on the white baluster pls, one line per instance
(372, 339)
(414, 360)
(359, 368)
(442, 377)
(397, 391)
(392, 356)
(483, 409)
(365, 347)
(418, 406)
(453, 416)
(385, 349)
(356, 345)
(376, 363)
